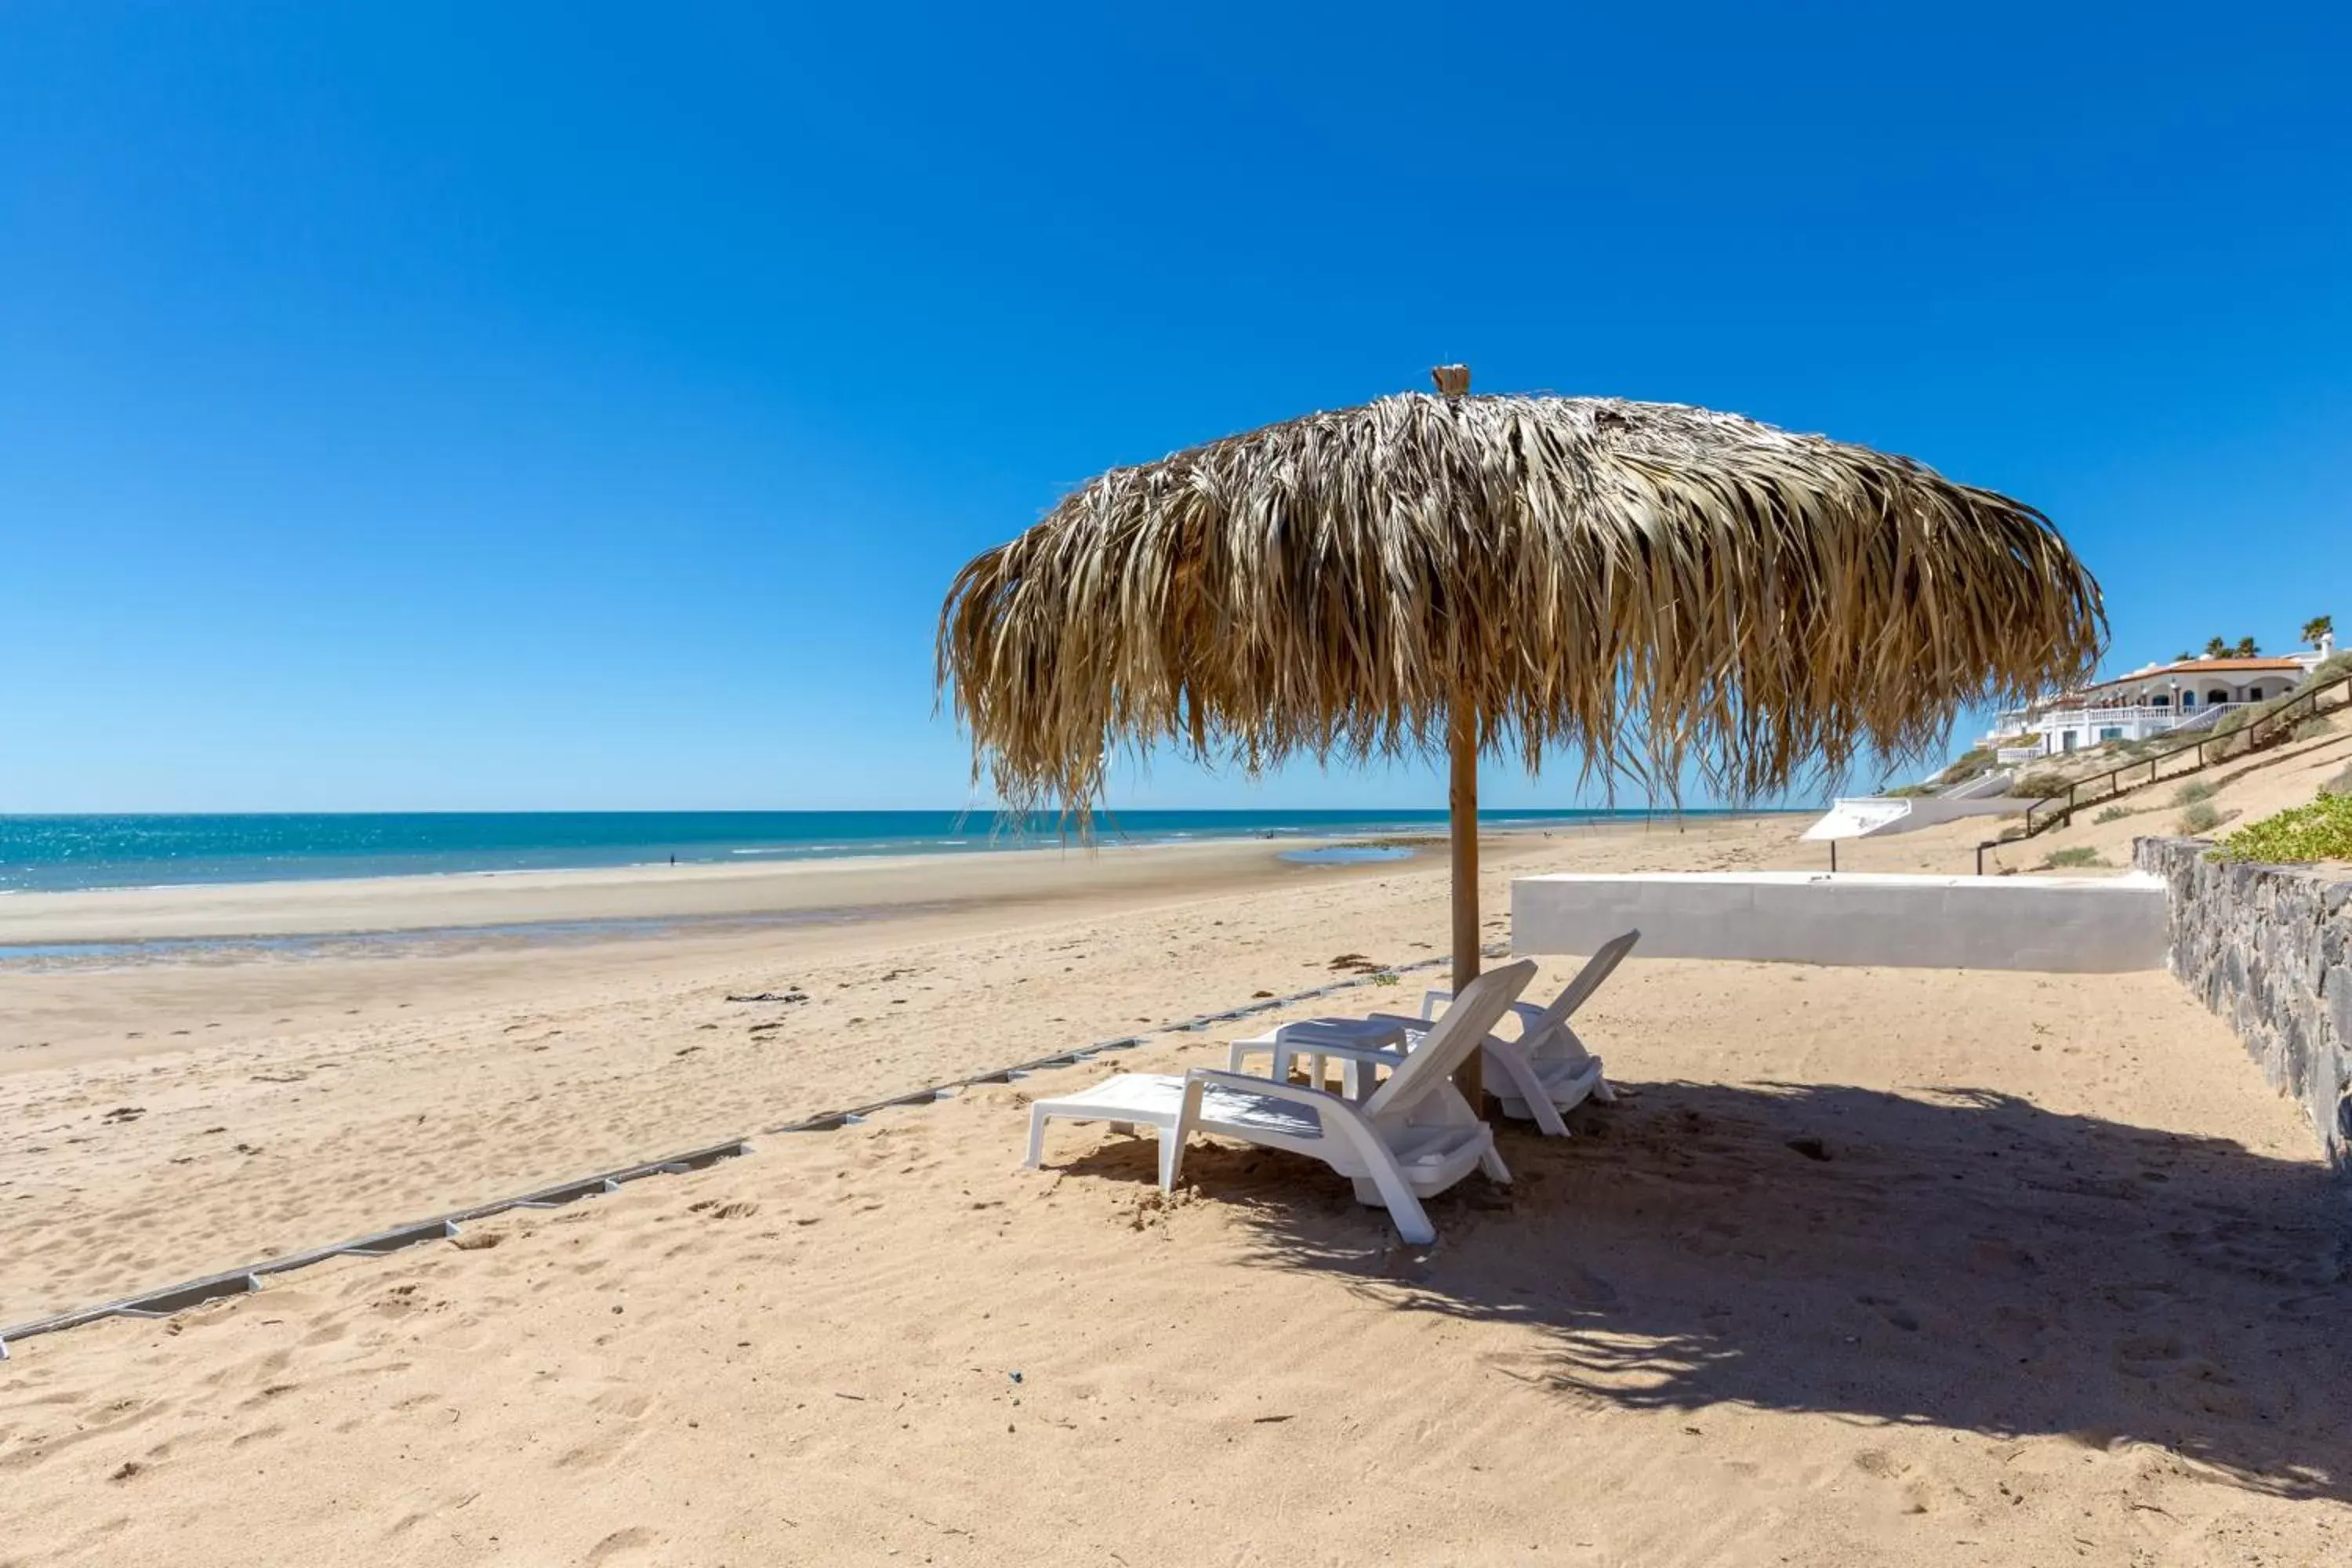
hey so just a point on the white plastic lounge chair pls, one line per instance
(1548, 1069)
(1415, 1135)
(1382, 1037)
(1544, 1071)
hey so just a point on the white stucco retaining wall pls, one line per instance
(2067, 925)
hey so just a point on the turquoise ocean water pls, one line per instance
(59, 853)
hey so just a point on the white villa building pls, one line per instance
(2188, 694)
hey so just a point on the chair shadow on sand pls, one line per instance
(1963, 1258)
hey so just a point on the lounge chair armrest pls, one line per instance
(1527, 1011)
(1432, 1000)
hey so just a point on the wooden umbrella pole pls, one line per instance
(1461, 802)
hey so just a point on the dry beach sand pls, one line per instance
(178, 1117)
(2069, 1287)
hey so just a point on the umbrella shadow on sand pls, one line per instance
(1961, 1258)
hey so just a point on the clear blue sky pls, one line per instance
(583, 405)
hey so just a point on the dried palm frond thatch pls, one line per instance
(1643, 585)
(1647, 585)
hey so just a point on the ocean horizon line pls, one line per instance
(66, 852)
(1660, 809)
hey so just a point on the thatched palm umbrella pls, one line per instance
(1650, 585)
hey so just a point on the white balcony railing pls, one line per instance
(2075, 718)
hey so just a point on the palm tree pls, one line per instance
(2215, 648)
(2246, 650)
(2316, 628)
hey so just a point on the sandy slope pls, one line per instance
(2245, 792)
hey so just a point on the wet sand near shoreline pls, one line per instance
(460, 901)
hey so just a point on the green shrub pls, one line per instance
(2190, 794)
(2311, 729)
(2079, 855)
(1967, 765)
(2047, 787)
(2112, 813)
(2320, 831)
(2199, 818)
(1906, 792)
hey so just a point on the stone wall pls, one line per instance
(2270, 949)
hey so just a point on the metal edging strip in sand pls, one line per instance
(163, 1304)
(378, 1243)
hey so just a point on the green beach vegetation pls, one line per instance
(2320, 831)
(1967, 765)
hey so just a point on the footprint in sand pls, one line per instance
(2141, 1352)
(628, 1403)
(1894, 1313)
(2140, 1298)
(608, 1444)
(2015, 1324)
(1990, 1253)
(622, 1544)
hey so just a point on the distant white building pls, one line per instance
(2188, 694)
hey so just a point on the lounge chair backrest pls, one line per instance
(1588, 979)
(1458, 1032)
